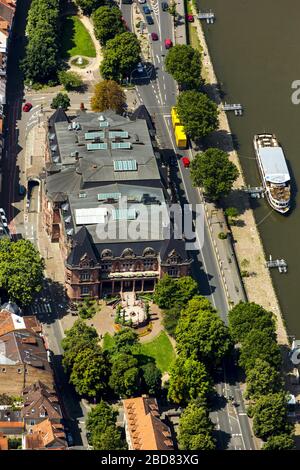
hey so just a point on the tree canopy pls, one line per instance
(121, 56)
(198, 113)
(214, 172)
(125, 378)
(107, 23)
(151, 376)
(77, 338)
(201, 332)
(70, 80)
(258, 344)
(21, 270)
(88, 6)
(90, 372)
(270, 416)
(195, 429)
(280, 442)
(101, 424)
(247, 316)
(61, 100)
(42, 53)
(170, 291)
(125, 340)
(184, 64)
(108, 95)
(262, 379)
(188, 380)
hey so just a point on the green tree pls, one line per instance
(107, 23)
(184, 64)
(61, 100)
(173, 10)
(270, 416)
(246, 316)
(21, 270)
(258, 344)
(88, 6)
(281, 442)
(213, 171)
(170, 292)
(121, 56)
(152, 378)
(108, 439)
(201, 332)
(101, 424)
(171, 318)
(79, 337)
(195, 429)
(198, 113)
(188, 380)
(124, 341)
(108, 95)
(124, 379)
(231, 213)
(262, 379)
(90, 372)
(70, 80)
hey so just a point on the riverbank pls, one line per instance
(247, 242)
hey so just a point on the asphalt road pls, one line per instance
(158, 93)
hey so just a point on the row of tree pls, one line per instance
(42, 51)
(103, 434)
(254, 329)
(96, 373)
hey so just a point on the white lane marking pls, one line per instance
(158, 58)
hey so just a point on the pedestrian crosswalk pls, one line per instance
(40, 308)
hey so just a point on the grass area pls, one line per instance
(160, 349)
(76, 39)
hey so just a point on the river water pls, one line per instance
(255, 48)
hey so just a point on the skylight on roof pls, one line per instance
(98, 146)
(125, 165)
(105, 196)
(94, 135)
(124, 214)
(93, 215)
(121, 145)
(113, 134)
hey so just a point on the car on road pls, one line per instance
(21, 190)
(168, 43)
(27, 107)
(149, 19)
(190, 18)
(140, 67)
(146, 10)
(142, 1)
(154, 36)
(70, 439)
(186, 162)
(164, 6)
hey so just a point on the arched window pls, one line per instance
(127, 253)
(106, 253)
(148, 251)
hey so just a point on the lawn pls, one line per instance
(160, 349)
(76, 39)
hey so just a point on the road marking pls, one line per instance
(158, 58)
(243, 414)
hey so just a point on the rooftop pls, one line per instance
(46, 435)
(274, 164)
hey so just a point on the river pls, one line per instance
(255, 49)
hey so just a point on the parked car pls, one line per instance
(140, 67)
(142, 1)
(164, 6)
(186, 162)
(190, 18)
(146, 10)
(154, 36)
(22, 190)
(149, 19)
(70, 439)
(168, 43)
(27, 107)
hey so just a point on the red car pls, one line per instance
(154, 37)
(190, 18)
(168, 43)
(27, 107)
(186, 162)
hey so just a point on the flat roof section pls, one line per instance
(274, 164)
